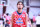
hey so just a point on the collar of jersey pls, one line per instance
(19, 14)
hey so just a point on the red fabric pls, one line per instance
(33, 18)
(16, 17)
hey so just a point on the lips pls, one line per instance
(19, 8)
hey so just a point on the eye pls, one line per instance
(18, 4)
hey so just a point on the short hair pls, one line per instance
(7, 20)
(20, 2)
(7, 14)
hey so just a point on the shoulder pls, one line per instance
(14, 12)
(25, 13)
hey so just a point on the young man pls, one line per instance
(19, 17)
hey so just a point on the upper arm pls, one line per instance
(12, 17)
(26, 18)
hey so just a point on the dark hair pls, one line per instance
(7, 20)
(7, 14)
(20, 2)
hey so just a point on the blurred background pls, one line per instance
(7, 7)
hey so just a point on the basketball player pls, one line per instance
(19, 17)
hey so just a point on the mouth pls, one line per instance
(19, 8)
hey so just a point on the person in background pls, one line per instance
(34, 21)
(33, 18)
(29, 23)
(38, 20)
(7, 23)
(8, 18)
(4, 17)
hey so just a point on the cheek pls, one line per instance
(18, 6)
(21, 6)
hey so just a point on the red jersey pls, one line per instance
(19, 20)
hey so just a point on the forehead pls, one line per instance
(20, 3)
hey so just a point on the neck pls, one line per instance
(19, 10)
